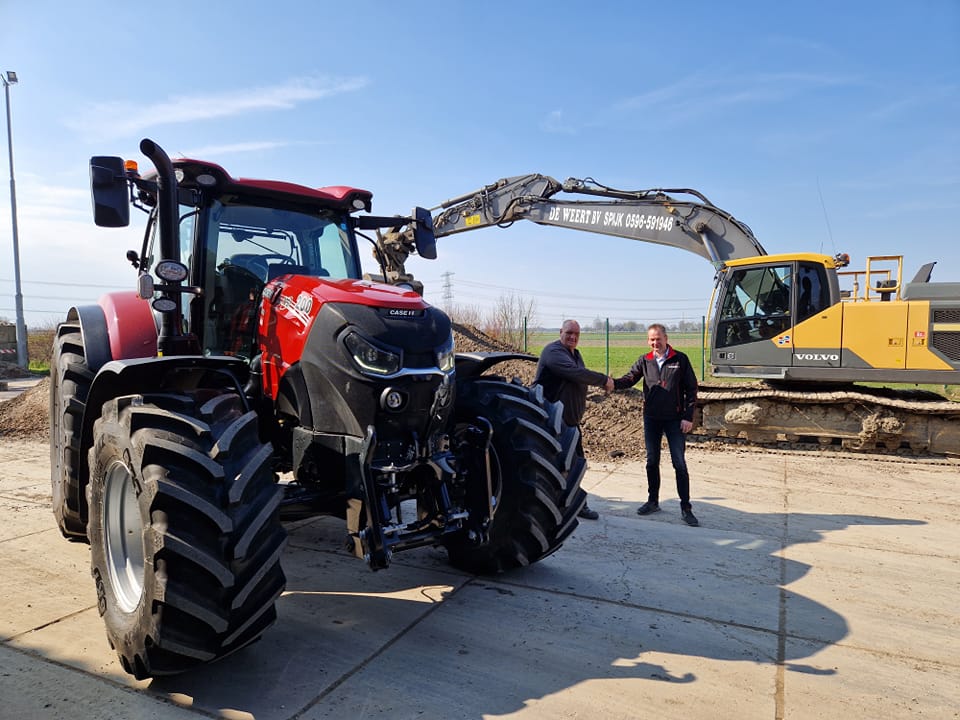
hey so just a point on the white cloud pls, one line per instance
(126, 118)
(933, 99)
(699, 95)
(555, 123)
(212, 151)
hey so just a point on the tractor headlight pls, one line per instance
(369, 357)
(445, 356)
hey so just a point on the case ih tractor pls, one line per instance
(255, 376)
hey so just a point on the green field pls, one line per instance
(625, 348)
(623, 351)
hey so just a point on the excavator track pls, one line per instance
(854, 417)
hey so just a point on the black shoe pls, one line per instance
(587, 514)
(648, 507)
(689, 518)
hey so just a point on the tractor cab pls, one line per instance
(234, 249)
(231, 237)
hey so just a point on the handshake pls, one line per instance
(608, 386)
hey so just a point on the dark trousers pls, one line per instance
(653, 432)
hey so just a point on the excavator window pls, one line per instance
(814, 294)
(755, 305)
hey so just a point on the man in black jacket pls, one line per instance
(565, 379)
(669, 398)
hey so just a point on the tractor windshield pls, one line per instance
(269, 242)
(247, 246)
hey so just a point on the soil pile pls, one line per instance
(11, 371)
(27, 415)
(612, 426)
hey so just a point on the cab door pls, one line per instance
(817, 332)
(754, 318)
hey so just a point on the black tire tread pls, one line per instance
(70, 382)
(211, 525)
(535, 455)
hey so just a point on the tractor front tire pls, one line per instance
(536, 475)
(184, 529)
(70, 380)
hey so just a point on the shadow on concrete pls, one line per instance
(448, 645)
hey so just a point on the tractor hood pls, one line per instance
(302, 318)
(301, 291)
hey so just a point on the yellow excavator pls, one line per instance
(803, 323)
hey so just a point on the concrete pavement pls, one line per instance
(819, 586)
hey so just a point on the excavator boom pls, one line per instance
(690, 223)
(680, 218)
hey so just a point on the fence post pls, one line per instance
(607, 324)
(524, 333)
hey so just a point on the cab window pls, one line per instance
(756, 305)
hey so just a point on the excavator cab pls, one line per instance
(769, 310)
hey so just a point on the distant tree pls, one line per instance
(508, 317)
(688, 326)
(467, 315)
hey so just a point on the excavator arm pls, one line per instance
(692, 223)
(680, 218)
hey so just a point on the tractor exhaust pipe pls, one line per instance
(171, 340)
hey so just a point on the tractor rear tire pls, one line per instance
(536, 475)
(184, 529)
(70, 380)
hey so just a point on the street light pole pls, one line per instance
(10, 78)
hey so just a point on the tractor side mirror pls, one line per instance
(108, 187)
(423, 237)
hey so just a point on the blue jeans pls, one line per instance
(653, 432)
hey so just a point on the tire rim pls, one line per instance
(123, 530)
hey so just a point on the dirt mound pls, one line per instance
(27, 415)
(11, 371)
(612, 425)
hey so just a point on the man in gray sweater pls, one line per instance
(565, 379)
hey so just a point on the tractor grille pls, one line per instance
(948, 343)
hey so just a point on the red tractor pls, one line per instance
(256, 376)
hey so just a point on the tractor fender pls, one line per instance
(131, 325)
(120, 325)
(94, 333)
(473, 364)
(138, 376)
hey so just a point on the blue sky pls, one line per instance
(825, 126)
